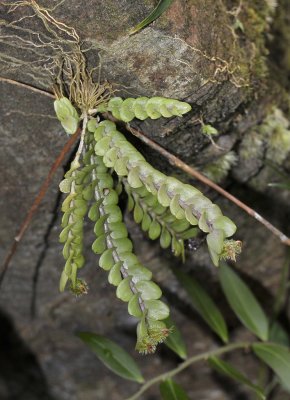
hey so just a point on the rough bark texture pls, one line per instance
(234, 80)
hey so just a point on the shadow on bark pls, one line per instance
(21, 376)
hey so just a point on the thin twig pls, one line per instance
(187, 363)
(193, 172)
(36, 203)
(26, 86)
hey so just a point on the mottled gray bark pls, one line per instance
(192, 53)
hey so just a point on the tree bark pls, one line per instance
(230, 61)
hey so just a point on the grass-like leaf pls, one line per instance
(204, 304)
(172, 391)
(227, 369)
(175, 340)
(278, 334)
(276, 357)
(113, 356)
(243, 302)
(161, 7)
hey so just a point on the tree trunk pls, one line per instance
(231, 62)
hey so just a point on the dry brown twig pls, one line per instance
(26, 86)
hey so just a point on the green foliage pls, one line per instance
(170, 390)
(113, 356)
(183, 201)
(158, 10)
(229, 370)
(144, 107)
(204, 305)
(276, 357)
(132, 279)
(209, 130)
(244, 303)
(74, 209)
(67, 115)
(278, 334)
(175, 340)
(158, 220)
(164, 207)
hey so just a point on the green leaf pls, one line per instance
(92, 125)
(162, 195)
(99, 226)
(161, 7)
(209, 130)
(278, 334)
(63, 281)
(154, 230)
(124, 291)
(203, 304)
(94, 212)
(203, 223)
(103, 145)
(190, 233)
(134, 179)
(190, 217)
(118, 230)
(225, 224)
(138, 213)
(149, 290)
(115, 276)
(215, 240)
(65, 185)
(175, 340)
(146, 222)
(139, 273)
(134, 306)
(243, 302)
(99, 245)
(123, 245)
(113, 356)
(106, 260)
(121, 166)
(152, 109)
(239, 25)
(70, 125)
(172, 391)
(276, 357)
(165, 238)
(175, 208)
(126, 112)
(139, 108)
(227, 369)
(157, 310)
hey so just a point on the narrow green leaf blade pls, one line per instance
(276, 357)
(113, 356)
(172, 391)
(243, 302)
(278, 334)
(227, 369)
(204, 304)
(161, 7)
(175, 340)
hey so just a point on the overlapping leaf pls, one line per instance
(171, 390)
(276, 357)
(243, 302)
(229, 370)
(203, 304)
(113, 356)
